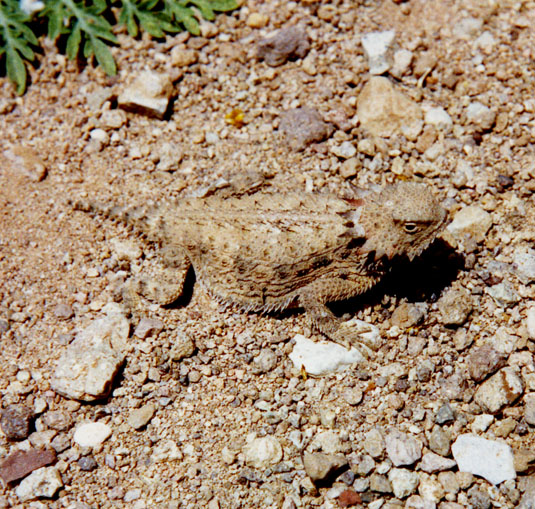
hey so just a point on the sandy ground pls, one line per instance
(54, 259)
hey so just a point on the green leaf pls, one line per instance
(104, 57)
(223, 5)
(16, 70)
(16, 41)
(73, 42)
(204, 7)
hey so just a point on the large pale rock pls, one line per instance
(471, 220)
(323, 357)
(385, 111)
(89, 365)
(487, 458)
(43, 482)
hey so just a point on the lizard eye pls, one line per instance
(411, 227)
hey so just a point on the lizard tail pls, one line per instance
(144, 218)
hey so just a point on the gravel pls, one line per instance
(455, 327)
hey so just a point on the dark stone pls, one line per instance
(303, 126)
(288, 43)
(15, 421)
(21, 463)
(87, 463)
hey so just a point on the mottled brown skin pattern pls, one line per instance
(268, 252)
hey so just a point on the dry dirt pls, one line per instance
(51, 255)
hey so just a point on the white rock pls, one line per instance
(402, 62)
(402, 449)
(88, 367)
(324, 357)
(430, 489)
(403, 481)
(149, 94)
(43, 482)
(99, 135)
(486, 458)
(471, 220)
(530, 322)
(481, 423)
(485, 41)
(328, 441)
(432, 462)
(377, 48)
(439, 118)
(467, 28)
(385, 111)
(91, 434)
(480, 115)
(504, 294)
(263, 452)
(500, 390)
(417, 502)
(346, 150)
(166, 450)
(525, 265)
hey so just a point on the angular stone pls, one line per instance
(89, 365)
(303, 126)
(263, 452)
(455, 306)
(43, 482)
(402, 449)
(319, 466)
(147, 327)
(484, 361)
(504, 294)
(432, 463)
(149, 94)
(140, 417)
(20, 463)
(377, 47)
(288, 43)
(403, 481)
(322, 358)
(472, 221)
(525, 265)
(486, 458)
(385, 111)
(502, 389)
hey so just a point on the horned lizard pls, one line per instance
(268, 252)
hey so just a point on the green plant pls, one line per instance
(86, 26)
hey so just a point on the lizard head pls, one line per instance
(401, 220)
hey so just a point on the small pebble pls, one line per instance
(91, 434)
(288, 43)
(15, 421)
(87, 463)
(263, 452)
(140, 417)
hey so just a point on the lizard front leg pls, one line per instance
(351, 333)
(164, 283)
